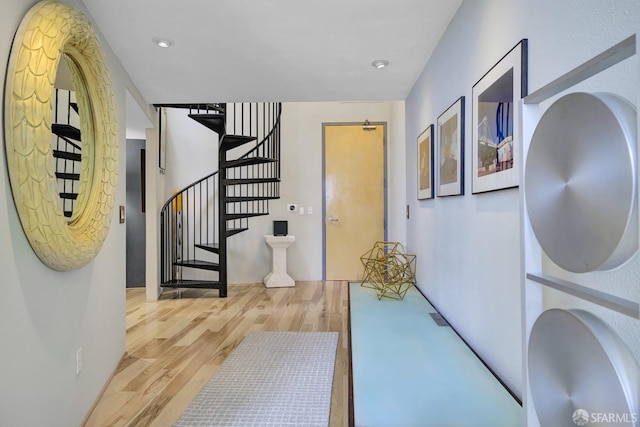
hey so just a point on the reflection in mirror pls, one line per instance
(67, 141)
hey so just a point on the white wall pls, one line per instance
(396, 176)
(191, 154)
(468, 246)
(302, 174)
(45, 316)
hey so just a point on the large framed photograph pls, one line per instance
(425, 164)
(451, 150)
(496, 148)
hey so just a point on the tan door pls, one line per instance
(354, 197)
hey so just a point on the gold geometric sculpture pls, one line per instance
(49, 32)
(389, 270)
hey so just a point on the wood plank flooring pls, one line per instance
(175, 345)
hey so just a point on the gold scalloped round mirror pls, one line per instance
(52, 32)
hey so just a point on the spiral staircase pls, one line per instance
(196, 222)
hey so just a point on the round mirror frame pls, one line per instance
(50, 31)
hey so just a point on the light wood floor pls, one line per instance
(174, 346)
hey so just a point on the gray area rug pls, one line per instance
(270, 379)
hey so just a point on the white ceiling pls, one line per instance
(273, 50)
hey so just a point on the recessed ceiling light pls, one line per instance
(380, 63)
(163, 41)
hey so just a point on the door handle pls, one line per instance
(332, 219)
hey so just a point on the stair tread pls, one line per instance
(245, 215)
(248, 161)
(206, 106)
(215, 122)
(211, 247)
(68, 131)
(197, 263)
(66, 175)
(207, 116)
(241, 181)
(196, 284)
(230, 142)
(59, 154)
(236, 199)
(233, 231)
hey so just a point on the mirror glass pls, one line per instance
(67, 136)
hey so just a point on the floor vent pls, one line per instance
(437, 317)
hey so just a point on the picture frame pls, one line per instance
(425, 156)
(496, 157)
(450, 155)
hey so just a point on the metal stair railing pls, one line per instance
(265, 126)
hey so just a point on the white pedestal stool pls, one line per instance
(278, 278)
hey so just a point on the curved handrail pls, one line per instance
(178, 193)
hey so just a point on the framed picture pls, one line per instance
(451, 150)
(425, 164)
(495, 146)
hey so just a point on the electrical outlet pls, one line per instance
(79, 361)
(301, 211)
(309, 210)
